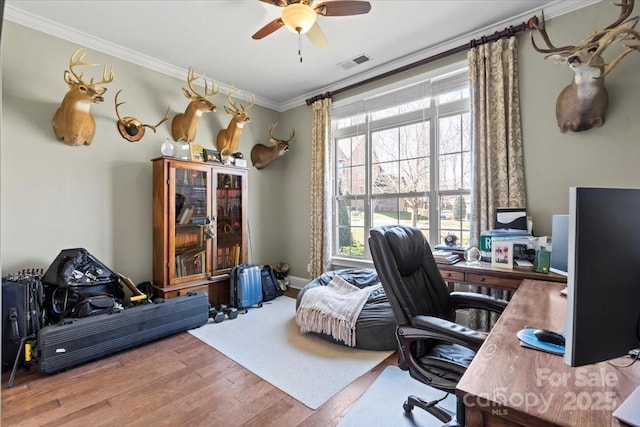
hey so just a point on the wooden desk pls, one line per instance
(485, 275)
(507, 384)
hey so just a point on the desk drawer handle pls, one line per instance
(448, 274)
(482, 279)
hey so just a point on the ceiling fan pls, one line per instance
(300, 17)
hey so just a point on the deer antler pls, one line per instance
(626, 7)
(191, 77)
(164, 119)
(74, 62)
(241, 107)
(622, 33)
(273, 126)
(120, 119)
(540, 26)
(620, 30)
(233, 104)
(133, 128)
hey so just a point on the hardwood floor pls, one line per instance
(175, 381)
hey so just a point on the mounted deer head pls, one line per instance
(228, 139)
(583, 104)
(72, 122)
(132, 129)
(262, 156)
(185, 125)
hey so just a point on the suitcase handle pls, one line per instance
(13, 317)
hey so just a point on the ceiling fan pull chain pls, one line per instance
(300, 46)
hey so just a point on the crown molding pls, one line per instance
(47, 26)
(558, 8)
(11, 13)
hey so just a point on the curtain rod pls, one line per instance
(531, 24)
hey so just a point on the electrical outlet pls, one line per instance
(309, 268)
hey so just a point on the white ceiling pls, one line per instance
(215, 37)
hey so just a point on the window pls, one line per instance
(403, 157)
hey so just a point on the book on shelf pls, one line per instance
(228, 256)
(185, 214)
(190, 262)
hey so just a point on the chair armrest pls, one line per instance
(462, 300)
(429, 327)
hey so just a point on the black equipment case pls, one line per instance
(23, 315)
(76, 341)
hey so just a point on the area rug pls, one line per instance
(381, 404)
(267, 342)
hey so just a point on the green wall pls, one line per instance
(99, 197)
(607, 156)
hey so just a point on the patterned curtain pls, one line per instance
(320, 183)
(498, 162)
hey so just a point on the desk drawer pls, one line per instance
(501, 282)
(452, 276)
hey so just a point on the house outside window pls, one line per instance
(403, 157)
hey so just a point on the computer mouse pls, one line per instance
(546, 335)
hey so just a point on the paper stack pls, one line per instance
(445, 257)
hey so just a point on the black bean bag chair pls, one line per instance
(376, 326)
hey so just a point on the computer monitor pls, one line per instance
(603, 298)
(559, 244)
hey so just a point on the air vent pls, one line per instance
(360, 59)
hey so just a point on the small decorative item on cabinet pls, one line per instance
(196, 152)
(212, 156)
(167, 148)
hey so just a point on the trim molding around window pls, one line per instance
(402, 155)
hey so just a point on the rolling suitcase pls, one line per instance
(76, 341)
(246, 286)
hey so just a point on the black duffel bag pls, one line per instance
(99, 304)
(76, 275)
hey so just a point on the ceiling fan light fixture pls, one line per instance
(299, 17)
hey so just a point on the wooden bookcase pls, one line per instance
(200, 227)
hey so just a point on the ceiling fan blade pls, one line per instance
(343, 8)
(280, 3)
(276, 24)
(316, 36)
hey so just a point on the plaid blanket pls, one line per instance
(333, 309)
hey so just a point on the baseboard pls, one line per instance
(298, 282)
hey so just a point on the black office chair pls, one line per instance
(435, 350)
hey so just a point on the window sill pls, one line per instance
(340, 262)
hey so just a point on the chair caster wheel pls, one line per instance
(407, 408)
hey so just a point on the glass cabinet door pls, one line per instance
(192, 225)
(230, 227)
